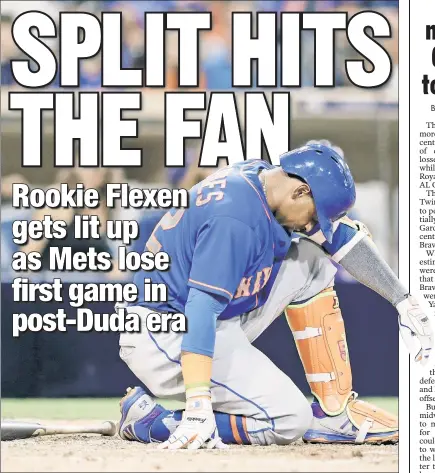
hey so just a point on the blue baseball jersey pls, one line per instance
(227, 243)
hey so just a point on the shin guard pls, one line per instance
(318, 330)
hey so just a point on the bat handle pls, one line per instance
(107, 428)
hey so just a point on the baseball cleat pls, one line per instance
(359, 423)
(138, 411)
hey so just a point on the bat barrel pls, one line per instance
(15, 430)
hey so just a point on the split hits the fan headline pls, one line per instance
(272, 54)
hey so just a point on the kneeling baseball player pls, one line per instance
(256, 242)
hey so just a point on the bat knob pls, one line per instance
(109, 428)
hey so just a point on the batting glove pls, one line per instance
(362, 227)
(197, 427)
(415, 327)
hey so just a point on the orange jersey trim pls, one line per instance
(259, 196)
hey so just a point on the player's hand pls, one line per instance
(197, 427)
(362, 227)
(415, 328)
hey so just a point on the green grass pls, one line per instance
(105, 409)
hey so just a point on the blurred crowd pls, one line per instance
(215, 44)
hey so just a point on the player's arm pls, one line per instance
(353, 248)
(197, 348)
(367, 266)
(350, 244)
(223, 251)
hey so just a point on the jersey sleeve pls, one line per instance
(346, 236)
(223, 251)
(202, 311)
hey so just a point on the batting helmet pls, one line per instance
(329, 178)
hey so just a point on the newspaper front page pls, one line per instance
(228, 207)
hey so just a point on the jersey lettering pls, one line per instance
(261, 278)
(216, 179)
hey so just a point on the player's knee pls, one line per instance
(310, 253)
(157, 390)
(305, 418)
(293, 426)
(315, 267)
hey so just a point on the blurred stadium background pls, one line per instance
(363, 123)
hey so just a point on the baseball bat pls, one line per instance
(14, 430)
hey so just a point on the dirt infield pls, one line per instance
(111, 454)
